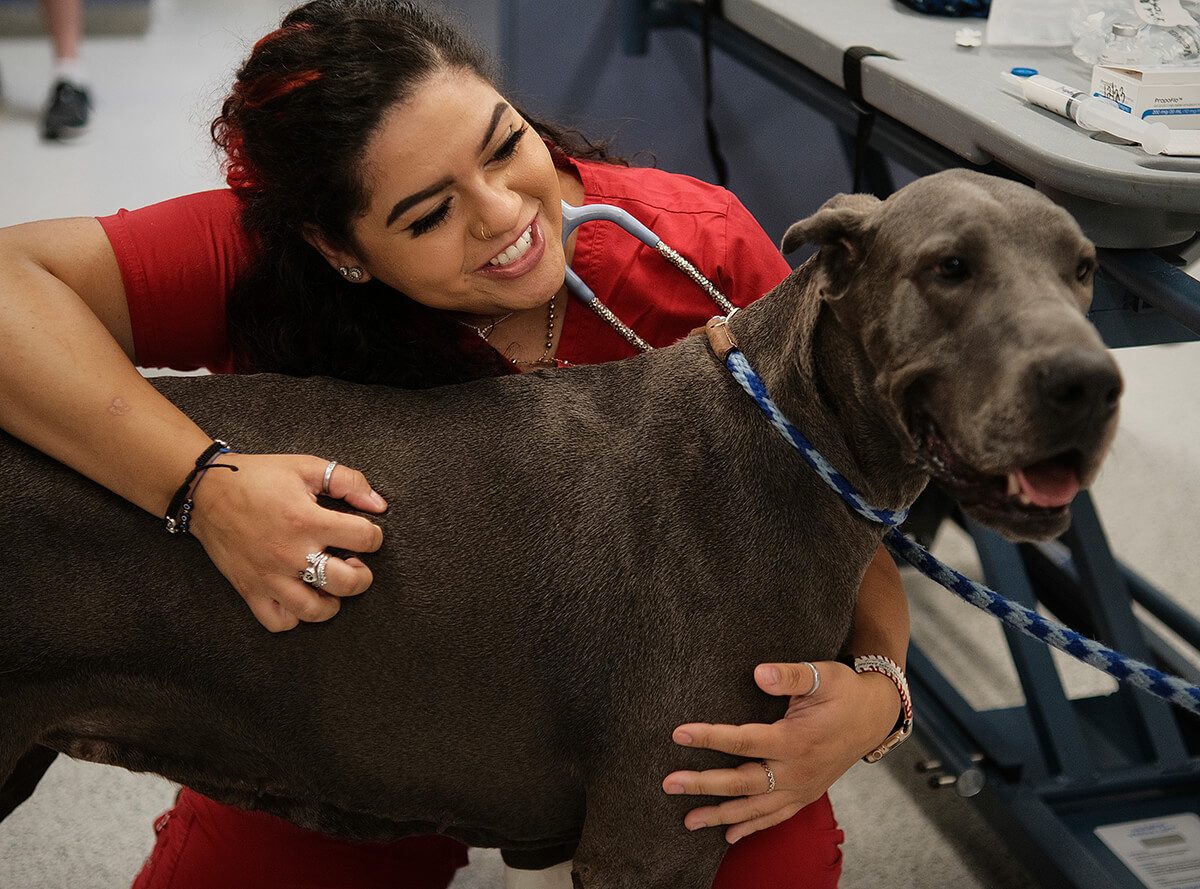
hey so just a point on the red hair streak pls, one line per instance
(238, 172)
(267, 89)
(279, 32)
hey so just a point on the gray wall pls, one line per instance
(564, 61)
(481, 18)
(23, 18)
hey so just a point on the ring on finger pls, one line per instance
(328, 475)
(770, 776)
(816, 679)
(314, 574)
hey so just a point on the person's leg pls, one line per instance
(64, 21)
(69, 105)
(803, 852)
(202, 844)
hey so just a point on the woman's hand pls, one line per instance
(259, 523)
(813, 745)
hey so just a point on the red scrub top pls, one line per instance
(180, 259)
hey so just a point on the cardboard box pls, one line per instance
(1161, 94)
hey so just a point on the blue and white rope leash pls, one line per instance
(1141, 675)
(1126, 669)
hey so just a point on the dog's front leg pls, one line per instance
(17, 787)
(22, 760)
(635, 840)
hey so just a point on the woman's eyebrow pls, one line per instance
(413, 199)
(424, 193)
(497, 112)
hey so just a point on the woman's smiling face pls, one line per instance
(464, 208)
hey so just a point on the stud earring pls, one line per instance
(351, 273)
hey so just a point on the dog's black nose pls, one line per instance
(1079, 385)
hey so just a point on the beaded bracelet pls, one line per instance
(179, 513)
(877, 663)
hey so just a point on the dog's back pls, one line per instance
(532, 582)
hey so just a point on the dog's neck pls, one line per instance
(819, 375)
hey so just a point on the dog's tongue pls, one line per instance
(1050, 483)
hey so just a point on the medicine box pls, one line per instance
(1169, 95)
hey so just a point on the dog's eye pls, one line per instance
(1084, 270)
(953, 269)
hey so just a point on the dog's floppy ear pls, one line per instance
(840, 228)
(842, 217)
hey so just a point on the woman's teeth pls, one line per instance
(516, 251)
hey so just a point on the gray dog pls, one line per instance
(576, 561)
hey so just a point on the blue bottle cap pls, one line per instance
(1024, 72)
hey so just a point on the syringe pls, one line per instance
(1089, 112)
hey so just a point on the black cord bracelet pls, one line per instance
(179, 513)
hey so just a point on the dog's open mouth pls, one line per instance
(1043, 489)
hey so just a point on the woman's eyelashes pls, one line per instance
(437, 216)
(431, 220)
(509, 148)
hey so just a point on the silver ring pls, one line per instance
(328, 476)
(816, 679)
(314, 574)
(770, 776)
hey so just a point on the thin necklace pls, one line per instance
(544, 360)
(486, 330)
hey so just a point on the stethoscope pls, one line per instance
(573, 217)
(1166, 686)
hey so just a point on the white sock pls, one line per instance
(71, 70)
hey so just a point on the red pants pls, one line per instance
(202, 844)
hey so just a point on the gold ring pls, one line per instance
(770, 776)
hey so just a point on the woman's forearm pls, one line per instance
(881, 614)
(66, 386)
(69, 388)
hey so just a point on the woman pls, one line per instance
(392, 218)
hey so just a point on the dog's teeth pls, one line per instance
(1024, 500)
(1014, 486)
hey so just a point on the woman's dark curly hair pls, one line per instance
(294, 129)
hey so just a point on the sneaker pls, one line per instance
(67, 111)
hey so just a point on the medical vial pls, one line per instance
(1126, 46)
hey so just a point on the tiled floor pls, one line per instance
(88, 827)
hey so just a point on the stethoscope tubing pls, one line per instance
(573, 217)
